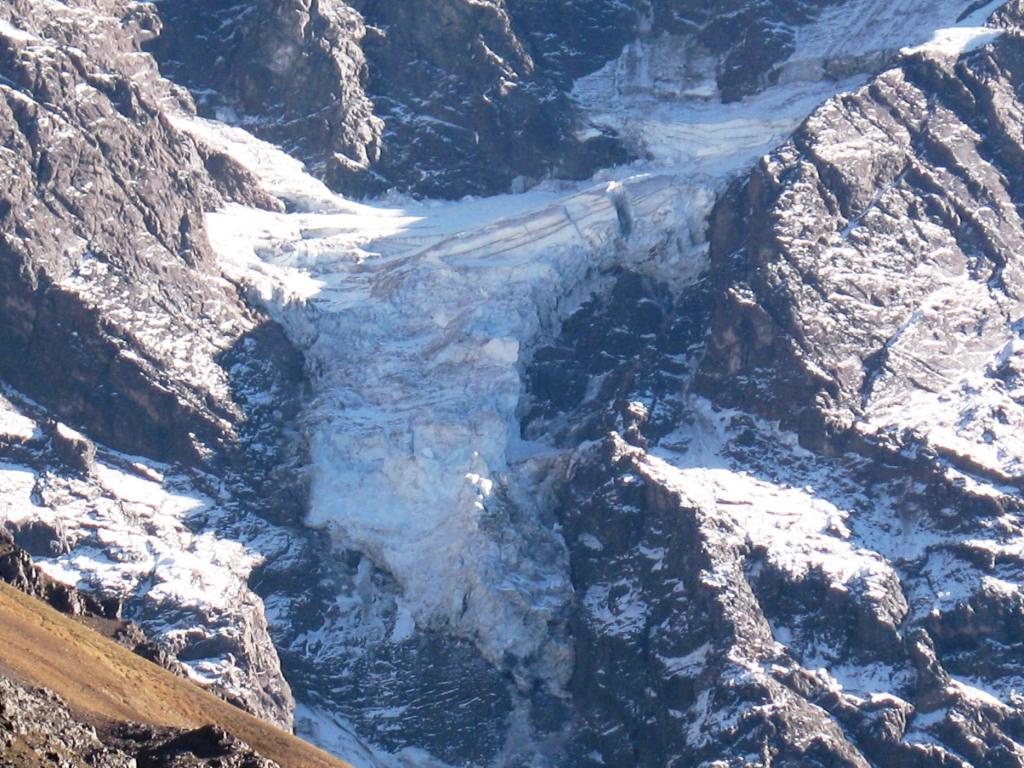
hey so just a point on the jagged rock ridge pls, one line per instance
(449, 97)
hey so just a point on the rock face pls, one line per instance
(441, 99)
(870, 299)
(172, 566)
(105, 616)
(464, 111)
(247, 65)
(913, 175)
(452, 97)
(18, 570)
(116, 319)
(862, 326)
(749, 39)
(104, 254)
(694, 691)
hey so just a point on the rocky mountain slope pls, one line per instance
(695, 443)
(105, 706)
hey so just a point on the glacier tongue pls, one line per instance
(417, 333)
(417, 318)
(421, 383)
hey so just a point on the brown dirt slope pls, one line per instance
(103, 681)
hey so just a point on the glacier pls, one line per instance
(417, 353)
(418, 317)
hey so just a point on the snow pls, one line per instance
(689, 665)
(977, 694)
(416, 318)
(279, 173)
(961, 38)
(14, 425)
(799, 530)
(871, 681)
(11, 32)
(129, 535)
(957, 41)
(16, 486)
(661, 96)
(338, 737)
(145, 536)
(804, 513)
(854, 32)
(711, 139)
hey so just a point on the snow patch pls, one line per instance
(131, 536)
(338, 737)
(963, 37)
(12, 32)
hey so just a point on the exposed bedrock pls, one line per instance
(738, 594)
(439, 98)
(116, 319)
(869, 269)
(296, 69)
(453, 97)
(114, 313)
(37, 728)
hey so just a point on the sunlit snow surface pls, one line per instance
(10, 31)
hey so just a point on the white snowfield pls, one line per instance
(417, 317)
(661, 96)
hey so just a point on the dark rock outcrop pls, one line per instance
(18, 570)
(750, 39)
(845, 258)
(38, 729)
(108, 274)
(245, 64)
(441, 99)
(450, 97)
(166, 748)
(863, 296)
(670, 639)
